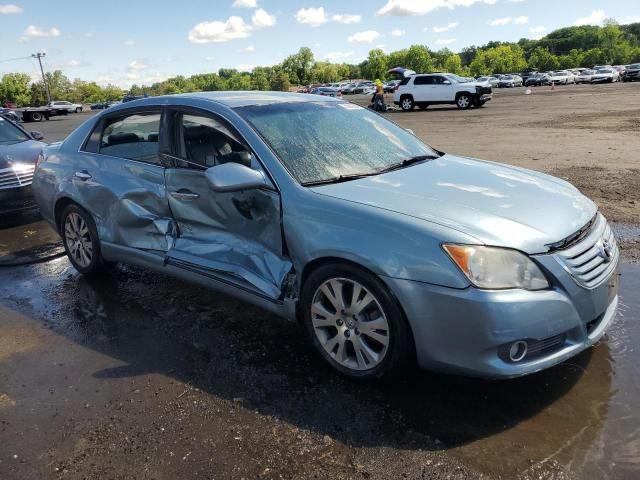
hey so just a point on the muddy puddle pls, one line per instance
(27, 238)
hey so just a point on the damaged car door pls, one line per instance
(232, 235)
(124, 183)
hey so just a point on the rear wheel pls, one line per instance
(463, 101)
(79, 109)
(407, 103)
(354, 322)
(36, 116)
(80, 238)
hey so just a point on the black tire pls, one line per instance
(464, 101)
(36, 116)
(401, 349)
(407, 103)
(97, 263)
(79, 109)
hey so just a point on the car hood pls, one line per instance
(497, 204)
(23, 152)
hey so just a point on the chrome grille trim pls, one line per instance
(583, 260)
(14, 178)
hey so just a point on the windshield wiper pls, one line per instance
(407, 162)
(338, 179)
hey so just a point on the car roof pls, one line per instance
(233, 99)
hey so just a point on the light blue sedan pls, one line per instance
(385, 250)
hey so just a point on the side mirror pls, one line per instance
(233, 177)
(447, 82)
(36, 135)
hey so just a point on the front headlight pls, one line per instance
(497, 268)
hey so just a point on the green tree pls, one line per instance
(418, 59)
(280, 82)
(453, 64)
(573, 59)
(376, 65)
(298, 66)
(260, 78)
(542, 59)
(501, 59)
(14, 87)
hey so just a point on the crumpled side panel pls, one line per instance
(234, 233)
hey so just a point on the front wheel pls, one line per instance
(463, 101)
(79, 109)
(407, 104)
(354, 322)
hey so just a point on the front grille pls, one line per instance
(14, 177)
(587, 260)
(548, 345)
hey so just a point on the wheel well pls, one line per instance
(320, 262)
(406, 95)
(61, 204)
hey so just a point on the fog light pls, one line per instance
(517, 351)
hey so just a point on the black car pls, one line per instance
(19, 153)
(632, 73)
(537, 80)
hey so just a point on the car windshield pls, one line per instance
(10, 134)
(634, 66)
(603, 70)
(320, 141)
(456, 78)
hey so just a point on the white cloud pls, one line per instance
(448, 26)
(70, 64)
(346, 18)
(596, 18)
(398, 33)
(538, 29)
(262, 19)
(368, 36)
(406, 8)
(138, 65)
(311, 16)
(501, 21)
(33, 31)
(521, 20)
(9, 8)
(245, 68)
(245, 4)
(216, 31)
(250, 48)
(130, 43)
(446, 41)
(338, 56)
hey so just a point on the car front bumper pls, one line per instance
(469, 331)
(15, 200)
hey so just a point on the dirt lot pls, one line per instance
(138, 376)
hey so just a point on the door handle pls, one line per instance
(185, 195)
(82, 175)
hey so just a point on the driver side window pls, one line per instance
(204, 142)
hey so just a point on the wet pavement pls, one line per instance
(137, 375)
(27, 238)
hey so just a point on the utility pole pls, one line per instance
(40, 56)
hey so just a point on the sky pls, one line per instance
(143, 41)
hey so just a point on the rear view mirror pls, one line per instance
(36, 135)
(233, 177)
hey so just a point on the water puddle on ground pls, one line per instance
(592, 429)
(27, 238)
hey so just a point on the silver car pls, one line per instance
(384, 249)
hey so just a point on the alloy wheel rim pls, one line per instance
(78, 239)
(350, 324)
(463, 101)
(407, 104)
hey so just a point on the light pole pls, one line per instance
(40, 56)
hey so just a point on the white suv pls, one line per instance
(68, 106)
(422, 90)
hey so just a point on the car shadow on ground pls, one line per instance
(226, 348)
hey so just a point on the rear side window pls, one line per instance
(134, 137)
(423, 81)
(405, 80)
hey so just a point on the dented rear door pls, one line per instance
(234, 237)
(121, 180)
